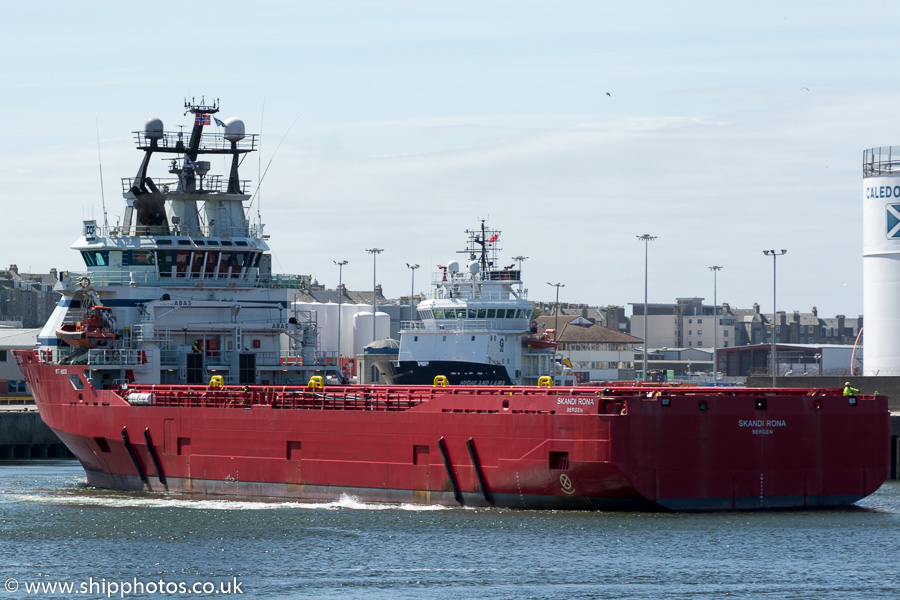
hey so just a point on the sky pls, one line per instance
(722, 128)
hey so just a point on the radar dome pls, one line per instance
(234, 129)
(453, 266)
(474, 267)
(153, 128)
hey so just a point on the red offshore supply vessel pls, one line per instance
(207, 379)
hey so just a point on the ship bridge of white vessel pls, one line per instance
(474, 300)
(481, 295)
(475, 326)
(189, 228)
(181, 288)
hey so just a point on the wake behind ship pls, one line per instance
(176, 362)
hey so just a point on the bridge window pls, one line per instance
(96, 258)
(139, 258)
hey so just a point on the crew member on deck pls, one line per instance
(850, 391)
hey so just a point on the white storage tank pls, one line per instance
(327, 317)
(362, 329)
(881, 261)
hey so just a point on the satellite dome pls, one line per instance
(234, 129)
(453, 266)
(153, 128)
(474, 267)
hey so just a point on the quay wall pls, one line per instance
(24, 435)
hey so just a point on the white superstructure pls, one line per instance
(184, 283)
(476, 326)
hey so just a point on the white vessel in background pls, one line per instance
(477, 327)
(181, 290)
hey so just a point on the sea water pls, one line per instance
(56, 531)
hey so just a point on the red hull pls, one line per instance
(680, 448)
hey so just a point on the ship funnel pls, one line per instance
(153, 129)
(234, 129)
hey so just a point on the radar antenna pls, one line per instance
(100, 162)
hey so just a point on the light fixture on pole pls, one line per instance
(557, 285)
(412, 292)
(646, 238)
(340, 264)
(774, 254)
(374, 252)
(715, 269)
(520, 260)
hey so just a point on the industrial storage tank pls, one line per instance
(881, 261)
(327, 316)
(362, 329)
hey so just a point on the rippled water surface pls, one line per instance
(55, 529)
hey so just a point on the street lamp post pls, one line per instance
(774, 256)
(715, 269)
(557, 285)
(412, 292)
(374, 252)
(520, 260)
(646, 238)
(340, 264)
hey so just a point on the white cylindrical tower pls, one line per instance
(881, 261)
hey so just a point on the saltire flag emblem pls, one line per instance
(219, 123)
(893, 221)
(201, 119)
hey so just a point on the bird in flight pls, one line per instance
(608, 94)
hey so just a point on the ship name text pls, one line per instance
(574, 405)
(762, 426)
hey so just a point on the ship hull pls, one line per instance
(411, 372)
(534, 448)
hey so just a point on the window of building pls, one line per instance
(699, 321)
(700, 343)
(699, 332)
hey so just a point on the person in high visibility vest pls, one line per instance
(850, 391)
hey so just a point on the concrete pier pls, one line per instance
(24, 435)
